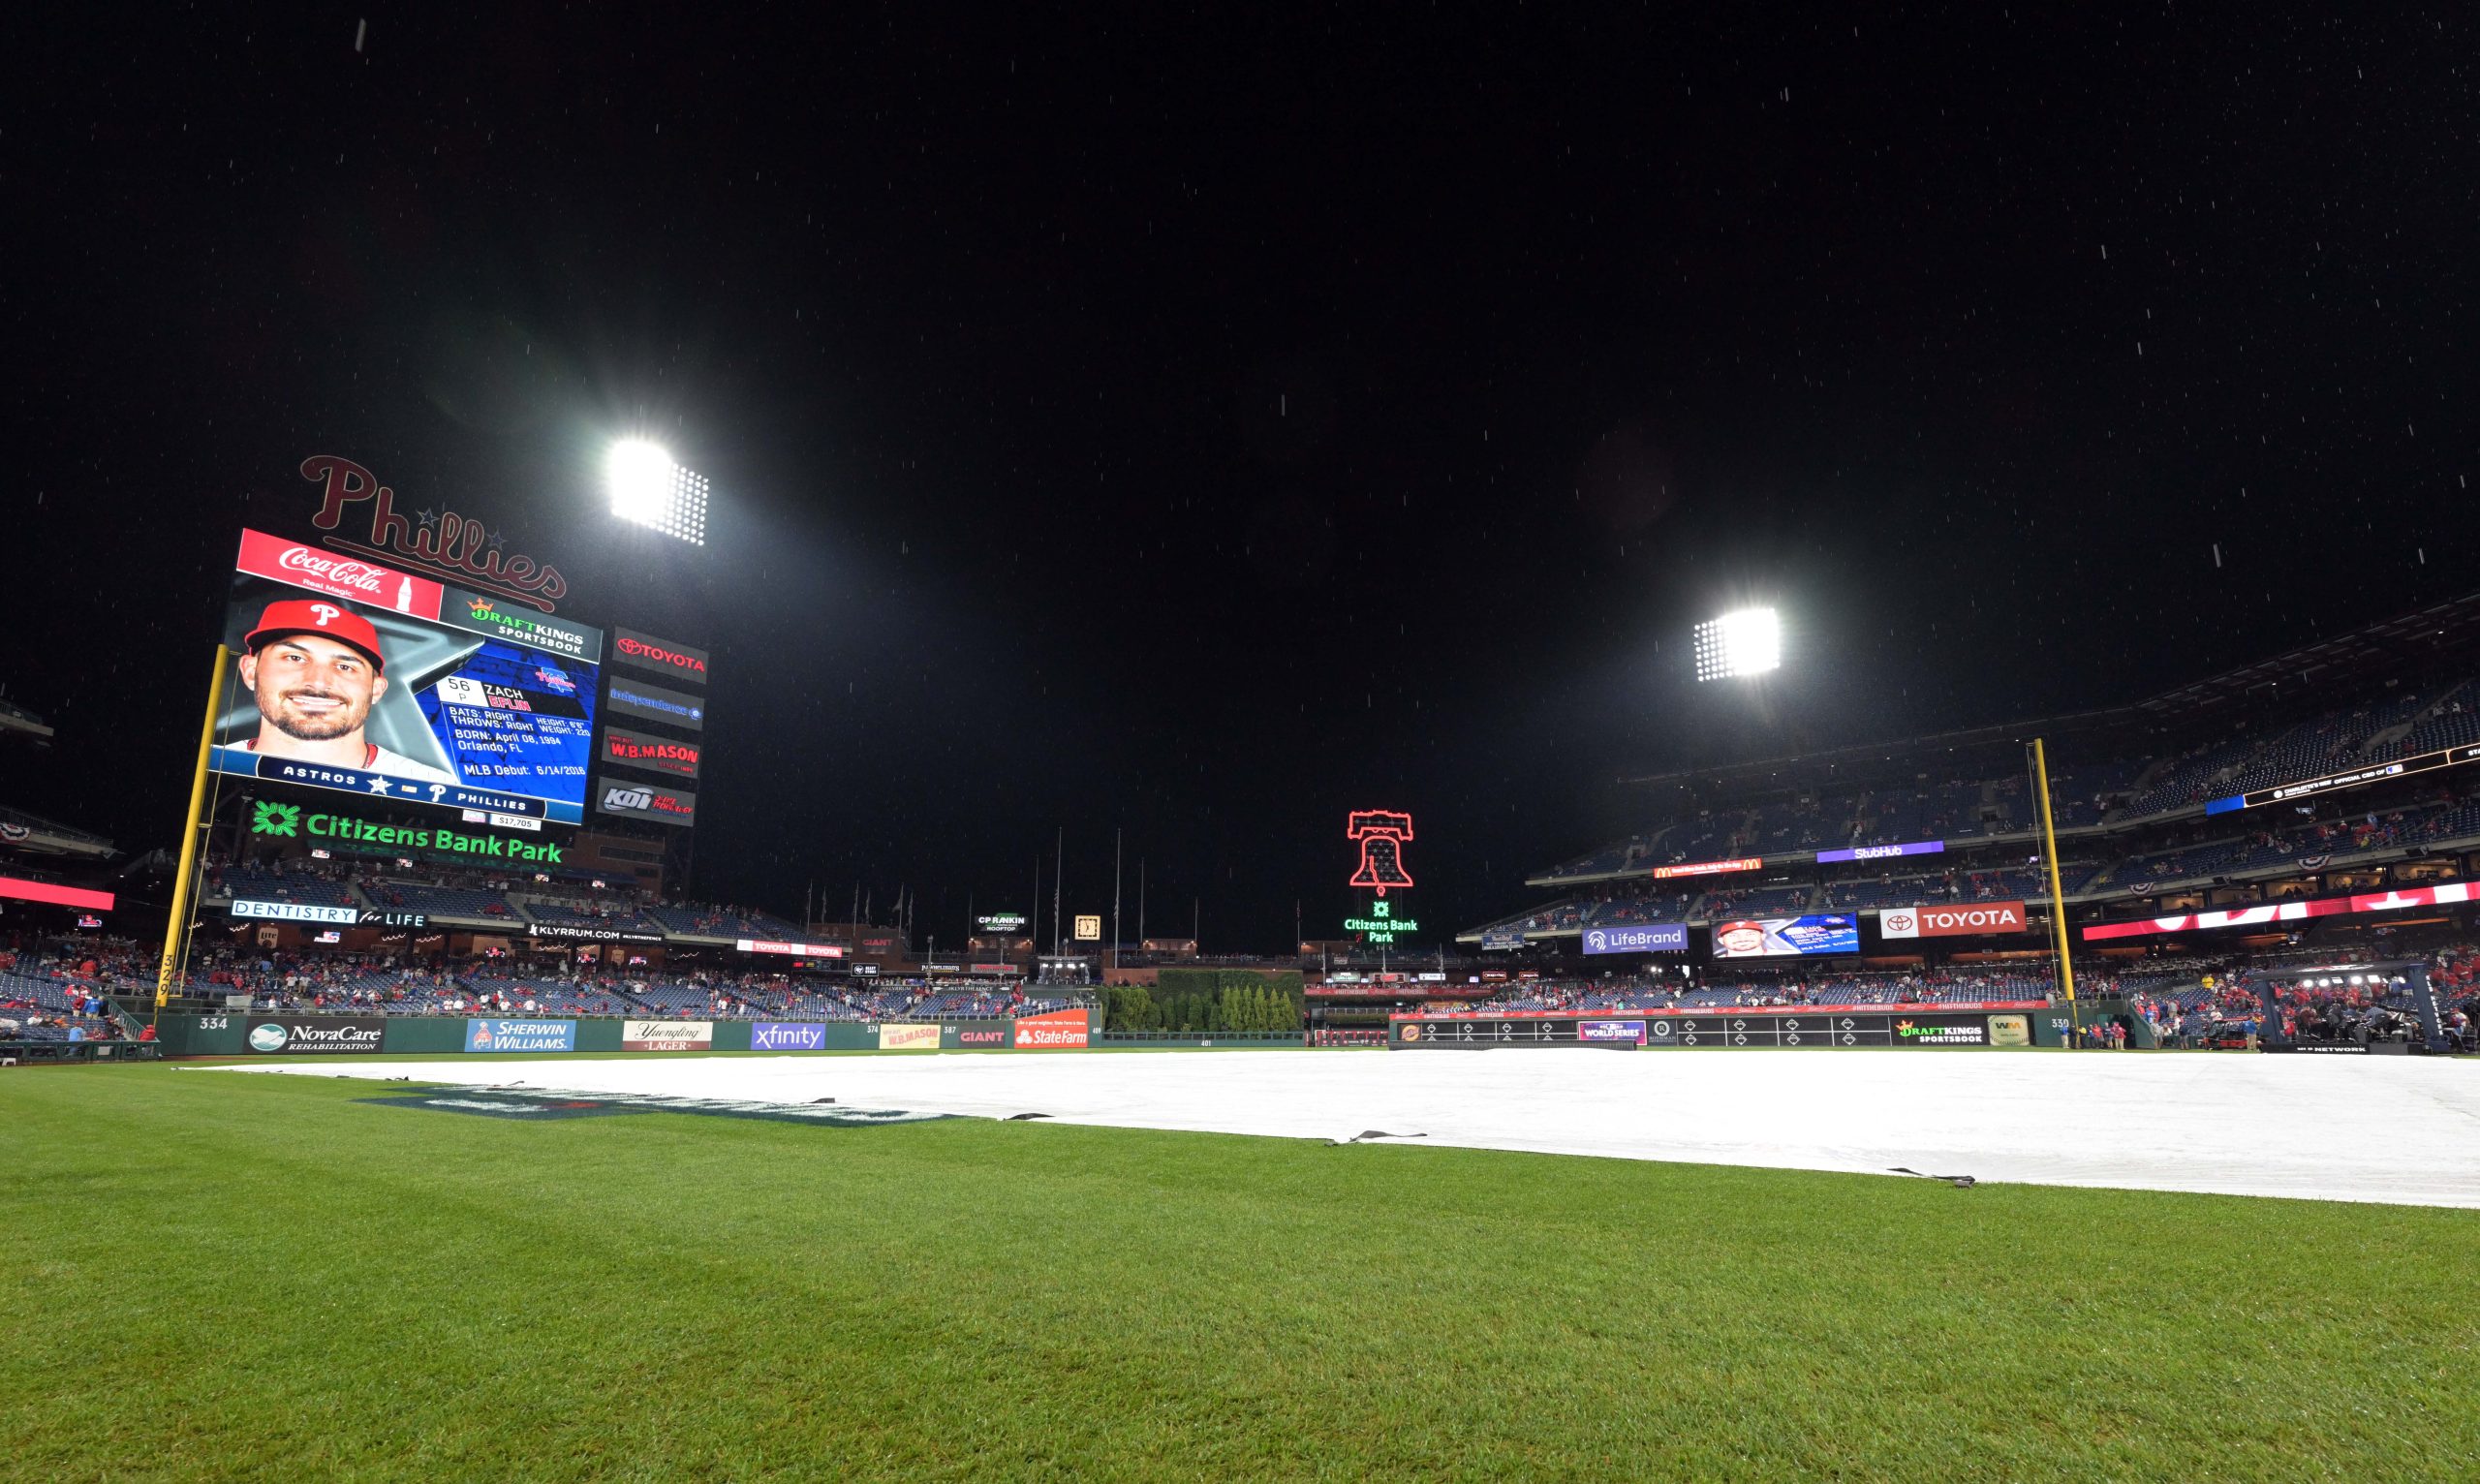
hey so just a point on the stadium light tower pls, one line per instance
(651, 490)
(1747, 642)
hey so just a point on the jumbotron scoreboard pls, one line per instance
(1823, 1029)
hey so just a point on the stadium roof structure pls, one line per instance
(17, 719)
(36, 835)
(2441, 632)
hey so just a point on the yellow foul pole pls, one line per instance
(176, 924)
(2057, 889)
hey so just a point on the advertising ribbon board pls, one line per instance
(781, 1036)
(907, 1037)
(1058, 1029)
(683, 663)
(666, 1035)
(623, 747)
(655, 704)
(1951, 922)
(314, 1035)
(1650, 938)
(520, 1036)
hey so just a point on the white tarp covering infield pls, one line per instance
(2403, 1129)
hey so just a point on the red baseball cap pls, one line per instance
(312, 615)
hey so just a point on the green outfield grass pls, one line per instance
(213, 1276)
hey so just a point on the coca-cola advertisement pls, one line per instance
(355, 676)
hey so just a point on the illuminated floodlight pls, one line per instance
(651, 490)
(1748, 642)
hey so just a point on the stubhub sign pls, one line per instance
(520, 1036)
(1652, 938)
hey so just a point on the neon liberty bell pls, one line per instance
(1382, 833)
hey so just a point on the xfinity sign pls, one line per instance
(1652, 938)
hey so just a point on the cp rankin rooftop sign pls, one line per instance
(440, 543)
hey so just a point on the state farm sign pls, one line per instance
(1951, 922)
(1052, 1031)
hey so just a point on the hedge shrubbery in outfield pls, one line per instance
(1226, 1000)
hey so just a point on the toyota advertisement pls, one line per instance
(355, 677)
(1950, 922)
(1651, 938)
(1813, 936)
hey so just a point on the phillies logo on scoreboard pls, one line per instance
(448, 545)
(1951, 922)
(1380, 833)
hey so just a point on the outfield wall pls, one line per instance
(1820, 1027)
(271, 1033)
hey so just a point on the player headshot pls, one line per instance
(315, 669)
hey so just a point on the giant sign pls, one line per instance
(396, 688)
(1951, 922)
(1650, 938)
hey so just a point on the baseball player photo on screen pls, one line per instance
(334, 693)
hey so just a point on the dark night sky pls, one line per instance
(1204, 426)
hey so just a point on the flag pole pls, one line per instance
(176, 923)
(2058, 892)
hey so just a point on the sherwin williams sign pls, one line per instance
(907, 1037)
(1059, 1030)
(520, 1036)
(666, 1034)
(1652, 938)
(778, 1036)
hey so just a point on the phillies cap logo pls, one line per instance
(326, 613)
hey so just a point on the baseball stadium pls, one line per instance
(919, 747)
